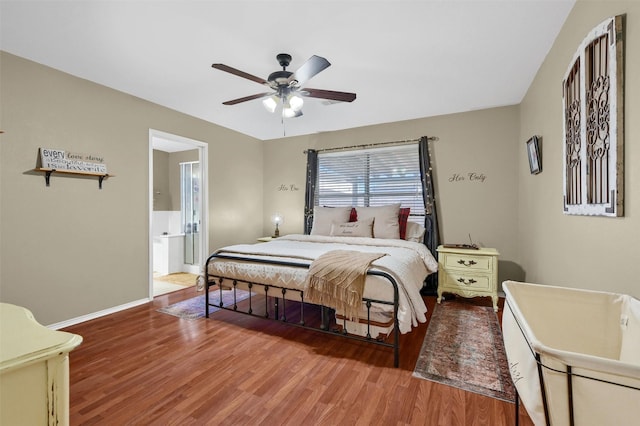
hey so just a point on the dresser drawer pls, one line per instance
(467, 262)
(463, 281)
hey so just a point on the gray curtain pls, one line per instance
(432, 235)
(310, 189)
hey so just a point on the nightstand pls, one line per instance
(264, 239)
(468, 273)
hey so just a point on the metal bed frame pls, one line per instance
(213, 280)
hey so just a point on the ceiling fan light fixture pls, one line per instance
(270, 103)
(288, 112)
(292, 106)
(288, 86)
(295, 102)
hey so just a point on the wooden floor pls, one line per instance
(140, 367)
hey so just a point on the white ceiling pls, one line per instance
(404, 59)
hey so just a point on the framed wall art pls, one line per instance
(534, 153)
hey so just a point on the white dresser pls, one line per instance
(468, 273)
(34, 370)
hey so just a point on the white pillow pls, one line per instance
(324, 217)
(385, 224)
(361, 228)
(415, 232)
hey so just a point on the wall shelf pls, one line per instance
(49, 172)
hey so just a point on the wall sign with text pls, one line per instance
(69, 161)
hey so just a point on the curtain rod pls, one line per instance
(408, 141)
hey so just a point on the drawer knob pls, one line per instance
(467, 282)
(465, 263)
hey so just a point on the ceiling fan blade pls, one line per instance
(313, 66)
(247, 98)
(328, 94)
(231, 70)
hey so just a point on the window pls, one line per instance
(371, 177)
(593, 124)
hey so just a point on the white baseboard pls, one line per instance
(94, 315)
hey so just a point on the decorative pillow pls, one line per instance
(415, 232)
(363, 228)
(385, 224)
(324, 217)
(403, 216)
(354, 215)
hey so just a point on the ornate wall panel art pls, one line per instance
(593, 100)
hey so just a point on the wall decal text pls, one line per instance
(471, 177)
(290, 187)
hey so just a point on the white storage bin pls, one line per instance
(574, 355)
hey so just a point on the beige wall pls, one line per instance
(579, 251)
(175, 158)
(483, 143)
(161, 186)
(71, 249)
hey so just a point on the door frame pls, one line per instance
(203, 157)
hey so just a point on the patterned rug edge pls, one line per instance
(465, 387)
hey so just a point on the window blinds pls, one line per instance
(371, 177)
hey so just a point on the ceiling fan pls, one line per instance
(287, 86)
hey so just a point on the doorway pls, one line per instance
(172, 244)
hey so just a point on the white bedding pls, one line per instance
(407, 262)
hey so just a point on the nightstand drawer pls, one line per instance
(468, 281)
(467, 262)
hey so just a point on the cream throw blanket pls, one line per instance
(336, 279)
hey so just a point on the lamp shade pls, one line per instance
(295, 102)
(277, 219)
(270, 103)
(292, 106)
(290, 113)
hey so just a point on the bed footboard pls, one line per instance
(280, 296)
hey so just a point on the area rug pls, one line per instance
(193, 308)
(463, 348)
(182, 278)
